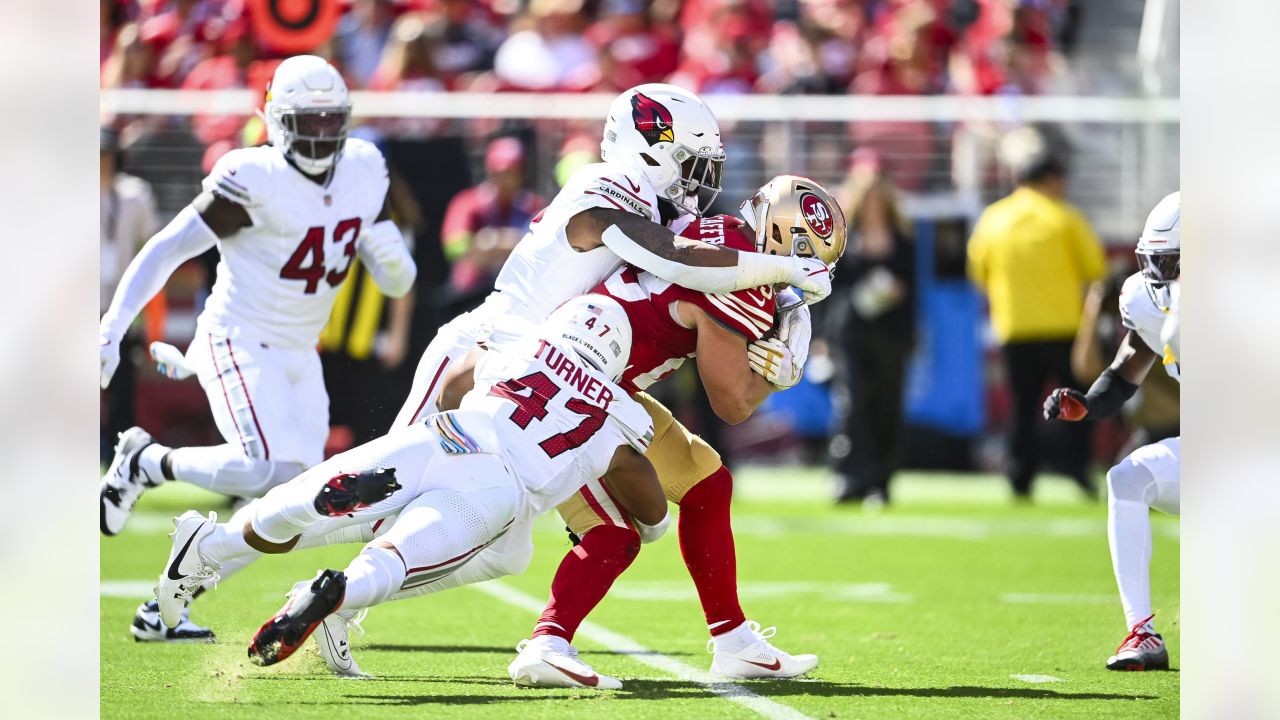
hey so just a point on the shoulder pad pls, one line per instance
(724, 230)
(368, 156)
(1134, 303)
(244, 175)
(615, 187)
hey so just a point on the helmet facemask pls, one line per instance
(701, 177)
(1159, 268)
(313, 138)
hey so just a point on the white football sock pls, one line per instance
(226, 545)
(734, 640)
(225, 469)
(373, 577)
(1129, 535)
(149, 463)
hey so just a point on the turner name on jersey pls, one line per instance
(556, 420)
(278, 277)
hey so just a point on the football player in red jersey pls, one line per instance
(740, 365)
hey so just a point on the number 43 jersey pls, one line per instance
(556, 420)
(278, 278)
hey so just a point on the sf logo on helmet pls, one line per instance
(651, 119)
(817, 214)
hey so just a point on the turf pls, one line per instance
(925, 610)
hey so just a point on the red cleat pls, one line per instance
(1141, 650)
(307, 607)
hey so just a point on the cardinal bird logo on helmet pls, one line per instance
(651, 119)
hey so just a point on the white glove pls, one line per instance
(170, 361)
(812, 277)
(772, 360)
(108, 359)
(649, 533)
(795, 330)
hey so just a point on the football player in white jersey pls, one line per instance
(1149, 476)
(662, 160)
(288, 220)
(545, 416)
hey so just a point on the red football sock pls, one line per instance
(706, 542)
(584, 576)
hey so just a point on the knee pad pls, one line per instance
(1130, 481)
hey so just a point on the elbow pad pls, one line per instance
(649, 533)
(1108, 394)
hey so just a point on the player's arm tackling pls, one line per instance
(633, 481)
(692, 263)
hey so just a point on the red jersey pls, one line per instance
(659, 343)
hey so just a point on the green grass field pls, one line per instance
(954, 603)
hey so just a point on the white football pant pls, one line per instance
(1147, 478)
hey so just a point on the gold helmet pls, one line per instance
(794, 215)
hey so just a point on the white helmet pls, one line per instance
(668, 134)
(308, 113)
(1159, 249)
(596, 327)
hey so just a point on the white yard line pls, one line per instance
(1037, 678)
(729, 691)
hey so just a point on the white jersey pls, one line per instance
(1140, 314)
(556, 421)
(278, 278)
(544, 271)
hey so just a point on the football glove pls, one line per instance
(170, 361)
(1066, 404)
(108, 359)
(795, 330)
(811, 277)
(772, 360)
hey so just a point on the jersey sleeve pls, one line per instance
(633, 420)
(609, 187)
(241, 176)
(1132, 295)
(748, 313)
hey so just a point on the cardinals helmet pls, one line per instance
(308, 113)
(1159, 250)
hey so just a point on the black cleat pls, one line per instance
(349, 492)
(307, 607)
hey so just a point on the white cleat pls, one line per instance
(550, 661)
(147, 627)
(124, 482)
(331, 639)
(759, 659)
(186, 570)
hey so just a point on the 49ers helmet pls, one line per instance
(794, 215)
(308, 113)
(670, 136)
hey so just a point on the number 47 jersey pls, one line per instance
(557, 420)
(277, 279)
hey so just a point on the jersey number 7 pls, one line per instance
(312, 249)
(533, 406)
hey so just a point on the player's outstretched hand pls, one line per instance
(108, 360)
(811, 277)
(1066, 404)
(772, 360)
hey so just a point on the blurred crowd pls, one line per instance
(880, 47)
